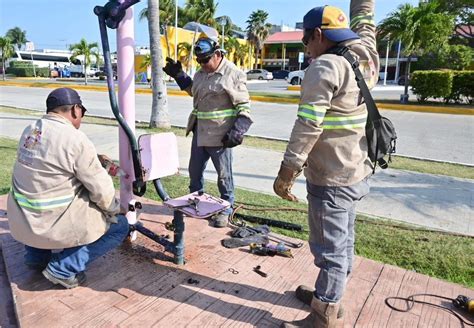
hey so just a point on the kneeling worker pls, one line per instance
(62, 197)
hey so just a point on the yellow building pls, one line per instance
(185, 41)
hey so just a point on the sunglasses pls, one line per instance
(83, 109)
(205, 60)
(308, 32)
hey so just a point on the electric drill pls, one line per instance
(464, 303)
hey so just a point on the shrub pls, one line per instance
(463, 87)
(25, 69)
(431, 84)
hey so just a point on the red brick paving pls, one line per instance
(137, 286)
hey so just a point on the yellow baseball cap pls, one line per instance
(332, 21)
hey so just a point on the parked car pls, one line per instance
(259, 74)
(295, 77)
(280, 74)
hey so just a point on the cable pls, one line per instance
(410, 300)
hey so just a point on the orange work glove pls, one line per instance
(284, 182)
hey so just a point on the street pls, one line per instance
(434, 136)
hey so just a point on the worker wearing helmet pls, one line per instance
(219, 120)
(328, 141)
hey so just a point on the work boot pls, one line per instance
(221, 220)
(323, 315)
(305, 294)
(71, 282)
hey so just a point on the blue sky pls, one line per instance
(54, 24)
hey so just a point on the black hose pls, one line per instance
(160, 190)
(110, 15)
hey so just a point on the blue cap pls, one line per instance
(332, 21)
(62, 96)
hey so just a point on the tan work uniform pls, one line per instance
(329, 133)
(61, 196)
(218, 98)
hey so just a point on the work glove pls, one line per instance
(284, 182)
(175, 70)
(235, 136)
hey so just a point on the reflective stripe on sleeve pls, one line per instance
(344, 122)
(244, 107)
(312, 112)
(42, 204)
(216, 114)
(362, 19)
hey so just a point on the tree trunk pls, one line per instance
(3, 68)
(159, 108)
(85, 70)
(407, 74)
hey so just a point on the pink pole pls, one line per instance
(126, 100)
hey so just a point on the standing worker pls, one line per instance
(62, 197)
(220, 118)
(328, 141)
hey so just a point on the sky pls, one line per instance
(55, 24)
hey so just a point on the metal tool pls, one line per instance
(260, 272)
(191, 203)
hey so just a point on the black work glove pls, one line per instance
(235, 136)
(175, 70)
(172, 68)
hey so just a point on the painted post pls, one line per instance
(126, 100)
(386, 63)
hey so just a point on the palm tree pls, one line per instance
(17, 36)
(419, 29)
(87, 50)
(184, 49)
(6, 47)
(201, 11)
(231, 45)
(159, 107)
(240, 53)
(258, 30)
(167, 15)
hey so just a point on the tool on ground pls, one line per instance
(260, 272)
(464, 303)
(270, 250)
(262, 230)
(261, 220)
(461, 302)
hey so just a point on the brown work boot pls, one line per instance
(221, 220)
(323, 315)
(305, 294)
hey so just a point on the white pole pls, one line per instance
(386, 63)
(397, 70)
(284, 55)
(223, 25)
(33, 64)
(176, 31)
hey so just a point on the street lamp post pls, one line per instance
(222, 21)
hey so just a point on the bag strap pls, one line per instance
(372, 109)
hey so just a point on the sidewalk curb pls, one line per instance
(270, 99)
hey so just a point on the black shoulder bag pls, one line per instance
(379, 130)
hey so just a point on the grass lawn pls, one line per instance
(440, 255)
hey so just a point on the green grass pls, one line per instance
(439, 255)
